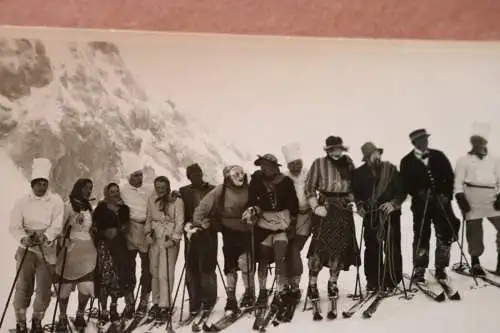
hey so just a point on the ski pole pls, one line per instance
(18, 272)
(464, 221)
(170, 303)
(59, 287)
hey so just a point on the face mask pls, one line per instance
(237, 176)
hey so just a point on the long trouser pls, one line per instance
(162, 264)
(145, 279)
(474, 232)
(33, 272)
(387, 250)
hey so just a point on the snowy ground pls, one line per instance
(477, 310)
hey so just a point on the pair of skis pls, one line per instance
(465, 271)
(437, 290)
(373, 299)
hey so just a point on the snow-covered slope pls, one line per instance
(79, 105)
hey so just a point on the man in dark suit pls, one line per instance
(200, 251)
(428, 178)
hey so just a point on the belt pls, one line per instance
(305, 211)
(138, 222)
(334, 194)
(480, 186)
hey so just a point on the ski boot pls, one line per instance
(142, 308)
(371, 288)
(231, 305)
(21, 327)
(441, 274)
(260, 308)
(80, 322)
(248, 298)
(62, 325)
(476, 268)
(333, 295)
(313, 295)
(154, 311)
(36, 326)
(419, 276)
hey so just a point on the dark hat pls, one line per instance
(418, 133)
(267, 157)
(368, 148)
(333, 142)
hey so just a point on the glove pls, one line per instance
(496, 204)
(251, 215)
(169, 243)
(191, 230)
(463, 204)
(27, 241)
(149, 238)
(387, 207)
(361, 211)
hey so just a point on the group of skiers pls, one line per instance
(265, 218)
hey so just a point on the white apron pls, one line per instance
(481, 202)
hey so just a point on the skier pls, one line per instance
(333, 243)
(225, 205)
(379, 193)
(164, 230)
(135, 195)
(477, 181)
(428, 177)
(200, 251)
(274, 205)
(298, 237)
(77, 257)
(115, 272)
(36, 221)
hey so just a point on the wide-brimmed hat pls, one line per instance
(369, 148)
(333, 142)
(418, 133)
(266, 157)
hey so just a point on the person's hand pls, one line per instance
(361, 211)
(320, 211)
(387, 207)
(169, 243)
(27, 241)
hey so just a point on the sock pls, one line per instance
(231, 279)
(63, 307)
(262, 277)
(82, 302)
(21, 315)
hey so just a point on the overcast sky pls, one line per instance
(264, 92)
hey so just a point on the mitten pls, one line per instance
(463, 203)
(496, 204)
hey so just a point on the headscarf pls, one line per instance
(165, 199)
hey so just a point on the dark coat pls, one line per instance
(416, 178)
(365, 180)
(283, 194)
(191, 197)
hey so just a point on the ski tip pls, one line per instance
(440, 298)
(366, 315)
(346, 314)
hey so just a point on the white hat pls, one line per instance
(481, 129)
(41, 169)
(292, 152)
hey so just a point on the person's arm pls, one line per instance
(399, 191)
(201, 215)
(179, 220)
(57, 219)
(449, 176)
(16, 228)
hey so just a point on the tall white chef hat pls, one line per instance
(481, 129)
(291, 152)
(41, 169)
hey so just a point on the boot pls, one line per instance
(278, 299)
(295, 293)
(441, 273)
(262, 298)
(248, 298)
(333, 290)
(371, 287)
(21, 327)
(62, 324)
(113, 313)
(153, 312)
(80, 321)
(231, 305)
(162, 314)
(36, 326)
(476, 268)
(419, 275)
(312, 292)
(142, 308)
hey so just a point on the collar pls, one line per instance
(421, 154)
(46, 197)
(478, 155)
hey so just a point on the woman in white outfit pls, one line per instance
(77, 257)
(164, 231)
